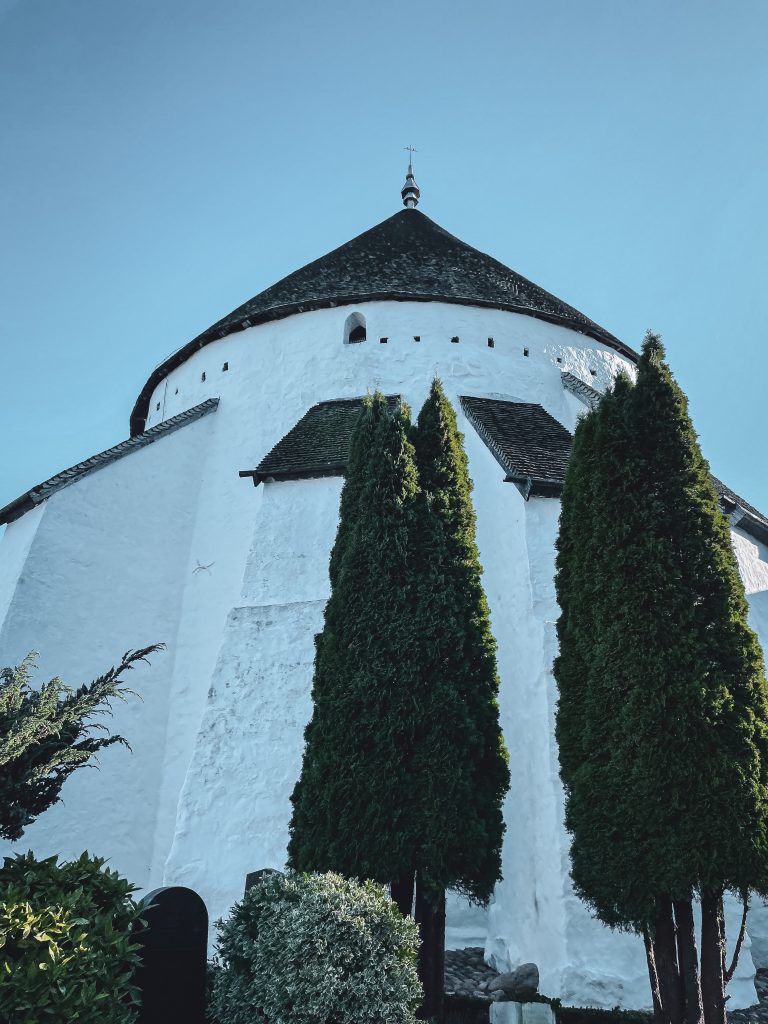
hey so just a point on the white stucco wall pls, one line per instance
(752, 557)
(104, 572)
(235, 807)
(171, 544)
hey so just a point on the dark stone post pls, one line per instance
(254, 877)
(174, 951)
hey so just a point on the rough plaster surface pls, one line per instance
(171, 544)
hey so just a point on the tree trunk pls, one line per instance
(665, 956)
(401, 891)
(430, 917)
(728, 974)
(658, 1012)
(712, 957)
(688, 959)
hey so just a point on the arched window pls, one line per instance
(354, 329)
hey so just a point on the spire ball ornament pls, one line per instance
(410, 190)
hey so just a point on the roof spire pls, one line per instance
(410, 191)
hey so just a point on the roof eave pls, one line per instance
(265, 476)
(534, 486)
(73, 474)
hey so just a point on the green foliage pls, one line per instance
(404, 767)
(663, 715)
(316, 949)
(66, 952)
(459, 756)
(354, 810)
(46, 734)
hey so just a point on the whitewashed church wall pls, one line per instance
(294, 533)
(752, 557)
(235, 806)
(211, 578)
(275, 373)
(304, 357)
(514, 915)
(14, 549)
(102, 576)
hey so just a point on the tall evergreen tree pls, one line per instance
(354, 810)
(46, 734)
(663, 715)
(404, 768)
(460, 759)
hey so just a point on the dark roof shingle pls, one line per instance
(406, 257)
(531, 446)
(318, 445)
(533, 449)
(743, 515)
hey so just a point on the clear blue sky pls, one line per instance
(163, 161)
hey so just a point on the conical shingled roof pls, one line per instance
(406, 257)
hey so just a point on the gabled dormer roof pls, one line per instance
(318, 445)
(407, 257)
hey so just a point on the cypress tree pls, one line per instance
(667, 786)
(404, 769)
(353, 811)
(460, 759)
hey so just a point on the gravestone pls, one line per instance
(173, 957)
(522, 1013)
(253, 877)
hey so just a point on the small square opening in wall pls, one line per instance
(526, 352)
(202, 375)
(593, 372)
(455, 339)
(157, 407)
(491, 343)
(383, 341)
(559, 359)
(225, 367)
(176, 391)
(417, 337)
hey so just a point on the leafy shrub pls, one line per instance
(316, 949)
(66, 952)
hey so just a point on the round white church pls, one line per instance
(166, 538)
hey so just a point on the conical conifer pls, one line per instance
(460, 761)
(663, 716)
(352, 811)
(463, 755)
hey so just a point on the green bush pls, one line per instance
(66, 952)
(316, 949)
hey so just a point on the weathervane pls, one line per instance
(410, 191)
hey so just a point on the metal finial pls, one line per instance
(410, 191)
